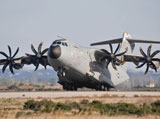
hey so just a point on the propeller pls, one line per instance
(38, 58)
(10, 60)
(112, 56)
(148, 59)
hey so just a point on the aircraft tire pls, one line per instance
(108, 89)
(74, 88)
(105, 88)
(99, 88)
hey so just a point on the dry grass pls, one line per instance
(9, 108)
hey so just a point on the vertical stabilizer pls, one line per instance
(126, 44)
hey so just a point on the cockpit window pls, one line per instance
(66, 44)
(54, 42)
(58, 43)
(63, 43)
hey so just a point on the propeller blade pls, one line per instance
(117, 48)
(36, 64)
(37, 58)
(43, 62)
(4, 54)
(108, 61)
(10, 68)
(5, 66)
(105, 51)
(40, 47)
(155, 53)
(120, 54)
(155, 59)
(154, 66)
(33, 49)
(147, 68)
(44, 51)
(142, 52)
(110, 45)
(36, 67)
(15, 52)
(141, 65)
(149, 50)
(10, 52)
(113, 65)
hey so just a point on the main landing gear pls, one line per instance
(69, 87)
(102, 87)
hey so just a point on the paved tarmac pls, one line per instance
(65, 94)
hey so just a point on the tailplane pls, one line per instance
(127, 37)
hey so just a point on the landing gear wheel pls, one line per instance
(108, 89)
(105, 88)
(74, 88)
(65, 86)
(99, 88)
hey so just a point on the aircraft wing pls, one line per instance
(133, 58)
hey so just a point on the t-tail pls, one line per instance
(127, 42)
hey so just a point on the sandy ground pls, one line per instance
(61, 94)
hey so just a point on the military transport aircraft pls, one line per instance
(79, 67)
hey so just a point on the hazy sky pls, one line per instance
(23, 22)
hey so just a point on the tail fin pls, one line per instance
(126, 44)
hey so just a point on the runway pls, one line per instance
(67, 94)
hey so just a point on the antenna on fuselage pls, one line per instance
(61, 37)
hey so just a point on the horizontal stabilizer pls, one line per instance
(114, 41)
(141, 41)
(119, 40)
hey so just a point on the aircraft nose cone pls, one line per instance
(54, 52)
